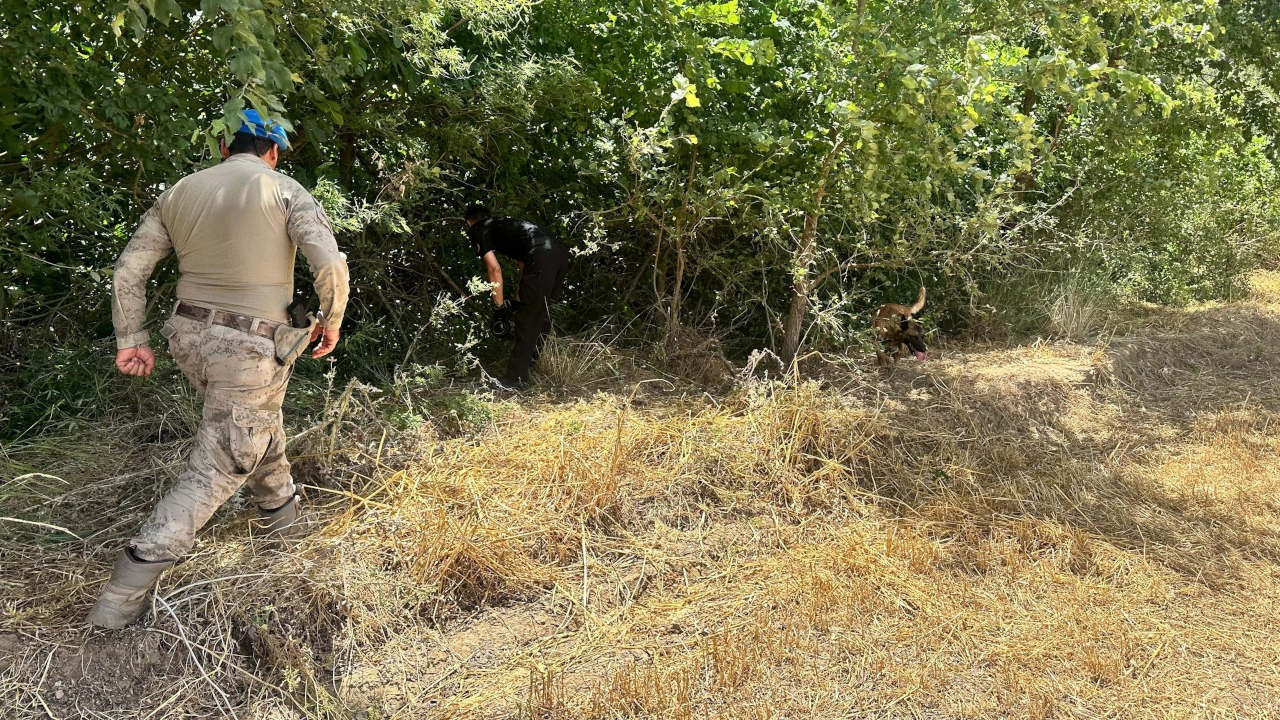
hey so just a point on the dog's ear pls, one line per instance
(903, 324)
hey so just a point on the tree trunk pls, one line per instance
(801, 285)
(677, 290)
(346, 158)
(683, 227)
(799, 306)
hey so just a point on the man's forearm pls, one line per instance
(129, 309)
(332, 284)
(495, 280)
(310, 230)
(148, 246)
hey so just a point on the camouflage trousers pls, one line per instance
(241, 437)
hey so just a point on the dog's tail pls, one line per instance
(919, 302)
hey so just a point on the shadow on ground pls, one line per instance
(1111, 443)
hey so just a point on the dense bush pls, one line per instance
(761, 172)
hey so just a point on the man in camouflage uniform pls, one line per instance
(235, 228)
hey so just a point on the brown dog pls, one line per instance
(898, 331)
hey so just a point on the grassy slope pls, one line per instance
(1055, 531)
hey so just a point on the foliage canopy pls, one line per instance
(762, 171)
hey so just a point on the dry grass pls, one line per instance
(1042, 532)
(1080, 309)
(587, 363)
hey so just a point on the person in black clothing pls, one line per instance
(543, 261)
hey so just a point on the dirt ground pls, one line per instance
(1052, 530)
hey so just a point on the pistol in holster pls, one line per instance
(291, 340)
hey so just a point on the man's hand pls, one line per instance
(328, 341)
(137, 361)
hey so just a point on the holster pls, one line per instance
(292, 341)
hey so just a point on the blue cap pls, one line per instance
(255, 125)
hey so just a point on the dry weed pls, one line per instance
(1057, 531)
(584, 363)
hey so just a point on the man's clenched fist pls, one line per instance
(137, 361)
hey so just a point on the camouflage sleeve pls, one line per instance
(149, 245)
(309, 229)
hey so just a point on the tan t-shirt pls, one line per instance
(235, 228)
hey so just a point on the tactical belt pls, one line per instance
(243, 323)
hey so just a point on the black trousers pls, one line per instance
(540, 286)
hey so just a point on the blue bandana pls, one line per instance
(255, 125)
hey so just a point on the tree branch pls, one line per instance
(848, 266)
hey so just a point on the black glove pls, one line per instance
(503, 323)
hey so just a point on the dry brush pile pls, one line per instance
(1051, 531)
